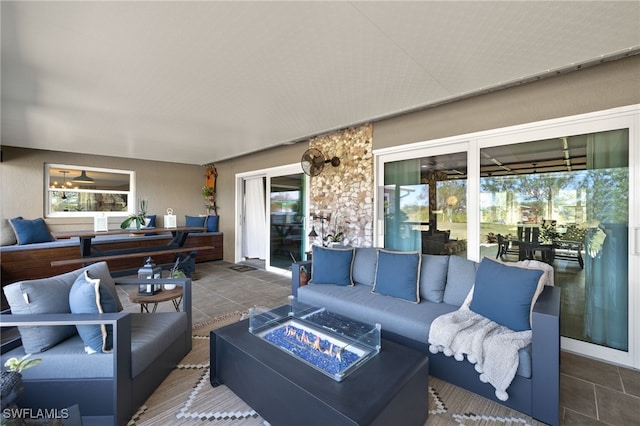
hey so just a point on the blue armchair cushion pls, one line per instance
(332, 266)
(211, 223)
(87, 296)
(30, 231)
(197, 221)
(398, 274)
(42, 296)
(504, 294)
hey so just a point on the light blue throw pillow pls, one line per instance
(332, 266)
(504, 294)
(30, 231)
(398, 275)
(87, 296)
(433, 277)
(364, 265)
(42, 296)
(100, 270)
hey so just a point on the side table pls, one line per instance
(175, 295)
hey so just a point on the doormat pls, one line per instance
(242, 268)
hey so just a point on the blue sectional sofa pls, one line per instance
(444, 283)
(107, 387)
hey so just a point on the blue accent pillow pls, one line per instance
(332, 266)
(212, 223)
(87, 296)
(365, 260)
(42, 296)
(30, 231)
(433, 277)
(504, 294)
(398, 275)
(197, 221)
(152, 220)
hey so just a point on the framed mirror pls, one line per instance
(77, 191)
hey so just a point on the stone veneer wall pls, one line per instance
(345, 191)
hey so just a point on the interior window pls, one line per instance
(85, 191)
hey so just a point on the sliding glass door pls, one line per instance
(572, 194)
(286, 220)
(271, 226)
(562, 191)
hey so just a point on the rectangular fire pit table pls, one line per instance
(389, 388)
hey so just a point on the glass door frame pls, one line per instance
(600, 121)
(441, 147)
(267, 173)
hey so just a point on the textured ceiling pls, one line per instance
(200, 82)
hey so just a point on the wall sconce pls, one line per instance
(313, 233)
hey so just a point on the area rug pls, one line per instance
(186, 397)
(242, 268)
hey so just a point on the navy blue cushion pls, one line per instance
(197, 221)
(504, 294)
(152, 220)
(212, 223)
(30, 231)
(87, 296)
(398, 275)
(332, 266)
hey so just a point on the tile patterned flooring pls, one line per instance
(591, 392)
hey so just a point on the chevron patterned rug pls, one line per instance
(186, 397)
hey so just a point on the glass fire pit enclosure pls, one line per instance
(332, 344)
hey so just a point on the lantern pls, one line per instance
(149, 271)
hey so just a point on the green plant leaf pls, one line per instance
(125, 223)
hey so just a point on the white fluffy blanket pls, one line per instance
(493, 348)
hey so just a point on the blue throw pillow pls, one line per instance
(332, 266)
(87, 296)
(30, 231)
(197, 221)
(152, 220)
(365, 260)
(504, 294)
(398, 275)
(42, 296)
(212, 223)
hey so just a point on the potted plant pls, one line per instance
(209, 195)
(335, 238)
(139, 218)
(175, 272)
(12, 386)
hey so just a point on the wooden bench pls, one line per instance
(34, 261)
(148, 253)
